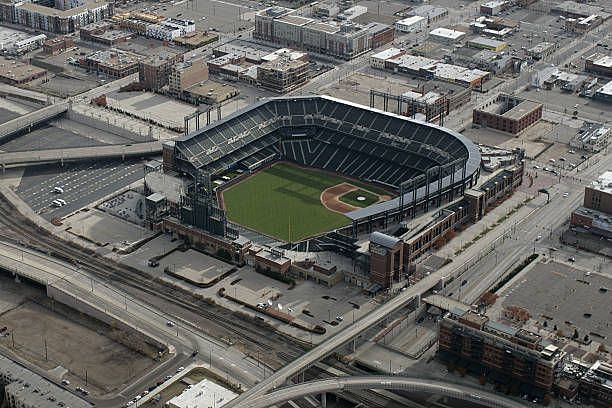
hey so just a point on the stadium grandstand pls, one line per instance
(425, 165)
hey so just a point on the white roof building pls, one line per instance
(412, 23)
(205, 394)
(446, 34)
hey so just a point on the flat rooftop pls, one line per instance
(50, 11)
(17, 70)
(603, 183)
(522, 109)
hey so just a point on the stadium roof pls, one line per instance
(384, 240)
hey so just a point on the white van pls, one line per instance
(56, 203)
(62, 202)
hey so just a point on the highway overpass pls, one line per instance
(29, 120)
(411, 385)
(280, 377)
(75, 154)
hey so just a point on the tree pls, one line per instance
(586, 338)
(576, 335)
(545, 324)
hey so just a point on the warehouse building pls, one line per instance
(508, 114)
(446, 35)
(411, 24)
(487, 44)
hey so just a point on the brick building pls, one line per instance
(500, 353)
(508, 114)
(57, 45)
(386, 259)
(154, 71)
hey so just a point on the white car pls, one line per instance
(178, 370)
(565, 194)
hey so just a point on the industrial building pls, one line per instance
(343, 40)
(411, 24)
(508, 114)
(598, 64)
(13, 42)
(26, 389)
(501, 353)
(487, 44)
(446, 35)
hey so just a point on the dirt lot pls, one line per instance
(73, 347)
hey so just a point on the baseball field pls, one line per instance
(290, 202)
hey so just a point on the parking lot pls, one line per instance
(224, 16)
(74, 346)
(82, 183)
(48, 137)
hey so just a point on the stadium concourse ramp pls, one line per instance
(76, 154)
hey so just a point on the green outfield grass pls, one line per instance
(283, 195)
(351, 198)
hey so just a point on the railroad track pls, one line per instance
(277, 348)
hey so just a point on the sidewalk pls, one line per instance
(489, 226)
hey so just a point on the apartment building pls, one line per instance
(500, 352)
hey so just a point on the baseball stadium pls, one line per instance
(312, 168)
